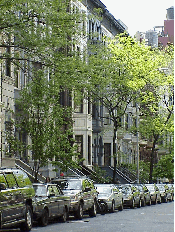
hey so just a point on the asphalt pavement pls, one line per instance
(154, 218)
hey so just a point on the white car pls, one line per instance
(109, 198)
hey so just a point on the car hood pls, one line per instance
(71, 192)
(152, 192)
(127, 194)
(103, 196)
(39, 199)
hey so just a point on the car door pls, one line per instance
(15, 198)
(136, 194)
(52, 201)
(5, 197)
(158, 193)
(25, 185)
(60, 200)
(115, 195)
(146, 193)
(86, 195)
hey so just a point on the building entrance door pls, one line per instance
(107, 154)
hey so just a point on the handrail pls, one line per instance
(28, 170)
(122, 175)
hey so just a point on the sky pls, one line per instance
(139, 15)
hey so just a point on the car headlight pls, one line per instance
(129, 197)
(74, 198)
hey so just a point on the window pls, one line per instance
(127, 122)
(94, 113)
(89, 106)
(89, 150)
(56, 190)
(11, 180)
(8, 62)
(84, 27)
(50, 190)
(107, 120)
(78, 102)
(16, 74)
(2, 180)
(79, 143)
(65, 98)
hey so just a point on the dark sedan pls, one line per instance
(49, 202)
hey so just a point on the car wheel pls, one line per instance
(103, 209)
(63, 217)
(93, 210)
(133, 204)
(155, 202)
(27, 225)
(144, 202)
(171, 199)
(44, 219)
(139, 204)
(113, 207)
(149, 203)
(121, 206)
(79, 212)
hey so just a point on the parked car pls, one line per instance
(131, 195)
(82, 193)
(144, 194)
(110, 197)
(49, 202)
(165, 193)
(16, 194)
(171, 189)
(155, 193)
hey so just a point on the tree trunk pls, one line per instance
(114, 155)
(152, 159)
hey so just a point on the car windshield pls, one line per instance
(150, 187)
(40, 190)
(104, 190)
(161, 187)
(73, 185)
(126, 190)
(139, 188)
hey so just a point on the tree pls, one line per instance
(118, 72)
(156, 107)
(143, 168)
(165, 167)
(37, 39)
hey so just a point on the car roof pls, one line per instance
(104, 185)
(46, 184)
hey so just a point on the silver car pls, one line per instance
(109, 197)
(155, 193)
(165, 192)
(171, 189)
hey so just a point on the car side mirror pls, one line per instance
(2, 186)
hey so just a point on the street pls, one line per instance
(154, 218)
